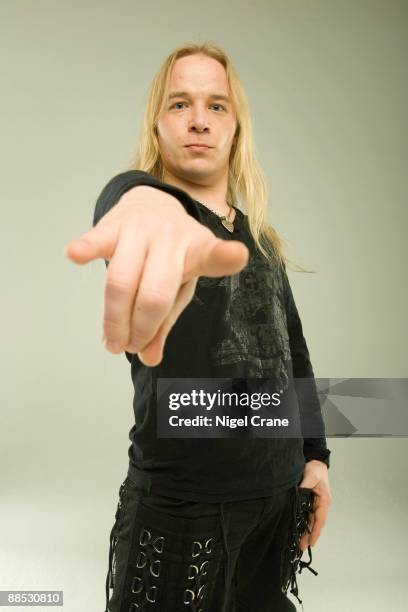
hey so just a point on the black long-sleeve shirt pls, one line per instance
(244, 325)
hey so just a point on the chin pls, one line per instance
(193, 170)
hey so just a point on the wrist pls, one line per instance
(317, 463)
(146, 194)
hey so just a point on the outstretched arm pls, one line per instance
(155, 252)
(125, 181)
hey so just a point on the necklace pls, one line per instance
(225, 221)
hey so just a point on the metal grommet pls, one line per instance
(143, 541)
(192, 595)
(157, 573)
(141, 559)
(201, 591)
(139, 582)
(194, 574)
(208, 550)
(133, 606)
(160, 546)
(154, 589)
(204, 565)
(193, 553)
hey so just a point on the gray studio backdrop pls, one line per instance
(327, 85)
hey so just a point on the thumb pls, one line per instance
(222, 257)
(99, 242)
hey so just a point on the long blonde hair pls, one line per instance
(246, 180)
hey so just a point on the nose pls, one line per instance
(198, 120)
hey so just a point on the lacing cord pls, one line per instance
(301, 508)
(225, 543)
(109, 577)
(112, 545)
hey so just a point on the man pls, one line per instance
(195, 288)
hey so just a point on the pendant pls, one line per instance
(228, 225)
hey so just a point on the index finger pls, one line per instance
(98, 242)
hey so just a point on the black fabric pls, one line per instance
(244, 325)
(169, 554)
(121, 183)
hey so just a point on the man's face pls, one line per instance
(198, 115)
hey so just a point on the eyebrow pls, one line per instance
(185, 94)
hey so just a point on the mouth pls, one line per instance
(198, 147)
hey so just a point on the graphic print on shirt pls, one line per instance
(252, 328)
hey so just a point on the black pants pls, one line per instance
(171, 555)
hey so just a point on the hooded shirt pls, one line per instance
(240, 326)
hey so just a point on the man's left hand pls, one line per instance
(315, 477)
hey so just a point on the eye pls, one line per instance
(176, 103)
